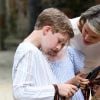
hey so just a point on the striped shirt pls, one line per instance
(32, 75)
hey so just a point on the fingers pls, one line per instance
(71, 91)
(82, 86)
(80, 79)
(73, 87)
(67, 90)
(83, 81)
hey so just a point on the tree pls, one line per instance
(3, 30)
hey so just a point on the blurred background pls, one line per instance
(17, 19)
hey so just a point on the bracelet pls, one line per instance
(56, 97)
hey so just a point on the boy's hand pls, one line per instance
(67, 90)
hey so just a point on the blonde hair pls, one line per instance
(56, 19)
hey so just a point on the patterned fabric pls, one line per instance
(66, 68)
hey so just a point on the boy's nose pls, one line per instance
(58, 47)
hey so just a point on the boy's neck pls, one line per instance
(35, 38)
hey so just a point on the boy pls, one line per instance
(33, 78)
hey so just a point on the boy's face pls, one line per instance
(89, 37)
(52, 43)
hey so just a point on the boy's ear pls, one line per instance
(47, 29)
